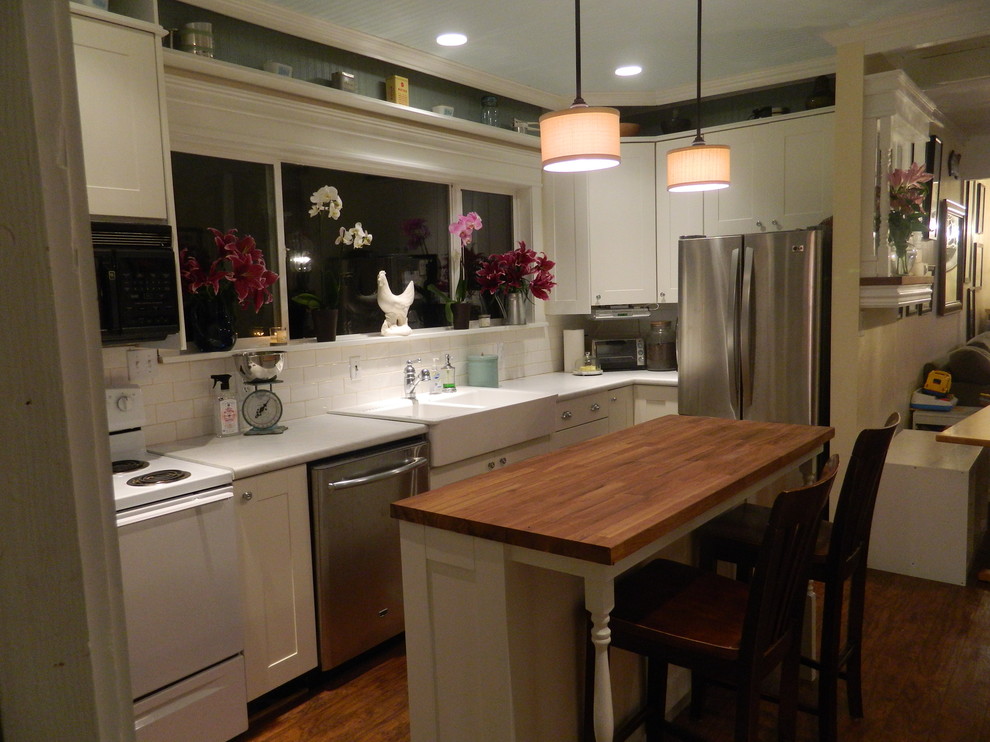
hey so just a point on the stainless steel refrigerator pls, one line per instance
(753, 329)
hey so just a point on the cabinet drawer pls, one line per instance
(441, 475)
(583, 409)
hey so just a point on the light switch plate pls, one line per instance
(141, 364)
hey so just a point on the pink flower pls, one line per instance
(240, 265)
(465, 225)
(518, 271)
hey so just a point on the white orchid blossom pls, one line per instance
(326, 199)
(355, 236)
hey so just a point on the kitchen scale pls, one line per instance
(262, 408)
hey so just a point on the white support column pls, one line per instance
(599, 598)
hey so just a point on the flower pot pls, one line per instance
(209, 324)
(462, 315)
(515, 309)
(325, 324)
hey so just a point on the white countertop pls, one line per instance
(305, 440)
(567, 386)
(313, 438)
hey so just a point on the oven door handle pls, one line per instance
(409, 465)
(175, 507)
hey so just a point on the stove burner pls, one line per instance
(125, 465)
(162, 476)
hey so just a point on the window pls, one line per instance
(227, 194)
(495, 236)
(407, 220)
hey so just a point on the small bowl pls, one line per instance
(628, 130)
(259, 365)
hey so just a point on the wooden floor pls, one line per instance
(927, 679)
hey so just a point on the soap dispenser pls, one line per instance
(224, 407)
(436, 384)
(447, 374)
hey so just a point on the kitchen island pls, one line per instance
(498, 571)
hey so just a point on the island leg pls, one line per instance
(599, 599)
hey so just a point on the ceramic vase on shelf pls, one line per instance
(462, 315)
(325, 324)
(209, 323)
(514, 309)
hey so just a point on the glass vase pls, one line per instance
(209, 323)
(900, 263)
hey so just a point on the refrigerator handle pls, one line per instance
(745, 348)
(732, 338)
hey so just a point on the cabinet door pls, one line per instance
(804, 147)
(651, 402)
(280, 620)
(459, 470)
(620, 408)
(781, 176)
(120, 115)
(565, 197)
(678, 215)
(622, 230)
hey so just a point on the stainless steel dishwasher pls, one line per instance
(356, 544)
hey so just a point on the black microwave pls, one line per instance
(136, 282)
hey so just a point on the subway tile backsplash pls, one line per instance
(178, 400)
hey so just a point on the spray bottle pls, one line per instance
(224, 407)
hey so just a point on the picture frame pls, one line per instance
(977, 265)
(951, 257)
(980, 207)
(933, 165)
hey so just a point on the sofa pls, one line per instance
(969, 365)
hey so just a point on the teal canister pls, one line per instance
(482, 370)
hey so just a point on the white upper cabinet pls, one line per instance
(118, 76)
(601, 231)
(622, 229)
(678, 215)
(781, 176)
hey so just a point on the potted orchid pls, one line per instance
(455, 308)
(907, 189)
(515, 277)
(324, 310)
(237, 276)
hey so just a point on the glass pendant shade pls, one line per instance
(580, 138)
(700, 167)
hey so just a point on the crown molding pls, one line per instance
(725, 86)
(962, 20)
(305, 27)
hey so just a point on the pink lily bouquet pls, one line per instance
(520, 271)
(907, 196)
(239, 271)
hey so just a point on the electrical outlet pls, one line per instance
(355, 364)
(141, 365)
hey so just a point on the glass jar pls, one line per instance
(661, 347)
(489, 110)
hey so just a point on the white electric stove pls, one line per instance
(180, 569)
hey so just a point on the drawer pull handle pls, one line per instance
(595, 407)
(503, 461)
(491, 465)
(247, 495)
(566, 415)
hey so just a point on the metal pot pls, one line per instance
(259, 365)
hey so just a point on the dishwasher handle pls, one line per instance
(413, 463)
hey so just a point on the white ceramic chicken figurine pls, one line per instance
(396, 308)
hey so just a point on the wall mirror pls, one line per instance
(951, 257)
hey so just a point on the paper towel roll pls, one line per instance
(573, 348)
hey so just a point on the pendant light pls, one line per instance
(581, 137)
(699, 167)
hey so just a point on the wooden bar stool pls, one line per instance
(840, 555)
(678, 614)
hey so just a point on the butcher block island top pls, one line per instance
(603, 499)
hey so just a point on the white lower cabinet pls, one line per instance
(581, 418)
(651, 402)
(459, 470)
(277, 562)
(620, 408)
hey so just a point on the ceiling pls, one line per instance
(530, 43)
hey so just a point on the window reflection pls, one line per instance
(495, 210)
(226, 194)
(410, 242)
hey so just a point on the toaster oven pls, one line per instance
(620, 354)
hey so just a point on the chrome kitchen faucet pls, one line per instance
(410, 379)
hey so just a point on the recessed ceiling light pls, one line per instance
(451, 39)
(628, 70)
